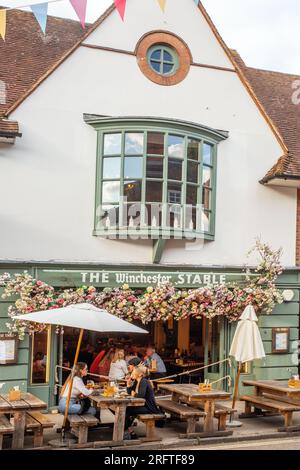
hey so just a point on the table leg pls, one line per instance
(209, 408)
(19, 424)
(119, 424)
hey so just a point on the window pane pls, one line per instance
(112, 144)
(155, 167)
(192, 172)
(174, 193)
(174, 216)
(154, 191)
(133, 190)
(111, 168)
(132, 215)
(175, 146)
(207, 177)
(191, 218)
(167, 68)
(39, 358)
(193, 149)
(155, 66)
(156, 55)
(205, 225)
(155, 143)
(153, 215)
(207, 154)
(134, 143)
(191, 195)
(175, 169)
(167, 56)
(133, 167)
(110, 191)
(109, 216)
(206, 198)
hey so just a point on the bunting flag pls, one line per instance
(162, 4)
(80, 9)
(2, 23)
(120, 6)
(40, 11)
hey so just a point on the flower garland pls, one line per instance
(155, 303)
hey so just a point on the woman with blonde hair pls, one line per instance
(118, 367)
(77, 405)
(140, 387)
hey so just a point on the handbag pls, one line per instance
(85, 404)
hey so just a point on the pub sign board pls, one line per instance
(135, 278)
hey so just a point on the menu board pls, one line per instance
(8, 349)
(280, 340)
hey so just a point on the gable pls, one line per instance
(182, 18)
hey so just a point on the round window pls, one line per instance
(163, 59)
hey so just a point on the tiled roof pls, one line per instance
(28, 54)
(274, 91)
(9, 128)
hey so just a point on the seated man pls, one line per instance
(160, 365)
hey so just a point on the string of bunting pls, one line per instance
(40, 11)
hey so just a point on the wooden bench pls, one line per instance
(37, 422)
(270, 404)
(183, 412)
(221, 413)
(80, 425)
(5, 428)
(149, 421)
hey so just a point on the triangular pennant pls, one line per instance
(120, 6)
(80, 9)
(162, 4)
(2, 23)
(40, 11)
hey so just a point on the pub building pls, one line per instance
(138, 153)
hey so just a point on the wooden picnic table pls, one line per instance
(191, 395)
(119, 405)
(272, 396)
(18, 410)
(273, 387)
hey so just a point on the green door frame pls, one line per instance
(224, 343)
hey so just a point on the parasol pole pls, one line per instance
(71, 379)
(236, 385)
(231, 422)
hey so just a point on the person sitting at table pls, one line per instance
(140, 387)
(101, 364)
(118, 367)
(132, 363)
(77, 405)
(160, 365)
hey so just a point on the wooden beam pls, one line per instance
(158, 248)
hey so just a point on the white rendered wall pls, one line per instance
(47, 178)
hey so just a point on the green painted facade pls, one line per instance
(274, 366)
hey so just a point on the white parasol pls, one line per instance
(85, 317)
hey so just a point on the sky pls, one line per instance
(265, 32)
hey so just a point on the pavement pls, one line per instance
(254, 433)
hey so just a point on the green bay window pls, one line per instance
(155, 178)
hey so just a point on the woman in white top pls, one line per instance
(78, 390)
(118, 368)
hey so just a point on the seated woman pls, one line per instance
(78, 390)
(118, 367)
(140, 387)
